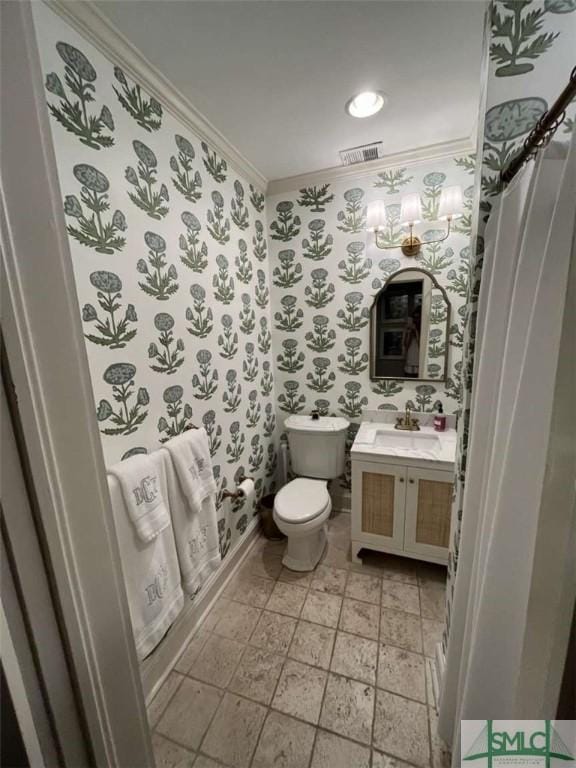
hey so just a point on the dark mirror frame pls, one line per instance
(373, 326)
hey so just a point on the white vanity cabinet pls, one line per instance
(401, 504)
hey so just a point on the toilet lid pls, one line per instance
(301, 500)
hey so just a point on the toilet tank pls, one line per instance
(317, 446)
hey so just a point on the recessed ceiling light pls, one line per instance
(366, 104)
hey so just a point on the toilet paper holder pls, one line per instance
(237, 493)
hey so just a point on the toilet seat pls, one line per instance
(301, 500)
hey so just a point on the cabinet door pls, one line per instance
(428, 512)
(378, 497)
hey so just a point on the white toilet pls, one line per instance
(302, 507)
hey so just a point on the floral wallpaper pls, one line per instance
(530, 50)
(325, 272)
(170, 257)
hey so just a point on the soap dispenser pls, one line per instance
(440, 419)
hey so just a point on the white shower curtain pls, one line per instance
(529, 240)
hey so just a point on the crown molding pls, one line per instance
(92, 24)
(407, 158)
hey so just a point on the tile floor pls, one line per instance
(319, 670)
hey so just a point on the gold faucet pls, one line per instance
(406, 422)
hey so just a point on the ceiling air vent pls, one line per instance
(361, 154)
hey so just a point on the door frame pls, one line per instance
(53, 396)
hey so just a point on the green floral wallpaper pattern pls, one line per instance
(169, 252)
(326, 270)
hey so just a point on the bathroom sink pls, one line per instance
(408, 441)
(380, 439)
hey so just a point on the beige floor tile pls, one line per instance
(257, 675)
(385, 761)
(301, 578)
(219, 610)
(322, 608)
(348, 708)
(249, 589)
(273, 632)
(339, 537)
(401, 629)
(287, 599)
(237, 622)
(267, 565)
(217, 661)
(402, 672)
(340, 540)
(389, 567)
(160, 701)
(188, 714)
(433, 602)
(355, 657)
(432, 632)
(331, 751)
(441, 757)
(337, 556)
(271, 547)
(359, 618)
(300, 691)
(401, 728)
(340, 523)
(234, 731)
(170, 755)
(401, 597)
(430, 573)
(284, 743)
(206, 762)
(192, 650)
(312, 644)
(329, 579)
(364, 587)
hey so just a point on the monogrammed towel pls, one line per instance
(151, 569)
(190, 454)
(138, 478)
(195, 529)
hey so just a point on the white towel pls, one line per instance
(190, 453)
(151, 571)
(138, 478)
(195, 531)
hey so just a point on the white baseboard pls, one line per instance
(437, 667)
(155, 669)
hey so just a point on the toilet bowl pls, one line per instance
(301, 509)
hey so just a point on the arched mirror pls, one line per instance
(409, 323)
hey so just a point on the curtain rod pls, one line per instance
(542, 132)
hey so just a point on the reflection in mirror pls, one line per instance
(409, 328)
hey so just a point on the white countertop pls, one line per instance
(436, 447)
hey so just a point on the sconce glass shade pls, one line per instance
(411, 209)
(376, 216)
(451, 203)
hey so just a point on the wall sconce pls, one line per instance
(411, 214)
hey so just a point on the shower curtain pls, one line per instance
(529, 241)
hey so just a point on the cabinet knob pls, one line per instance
(411, 481)
(401, 479)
